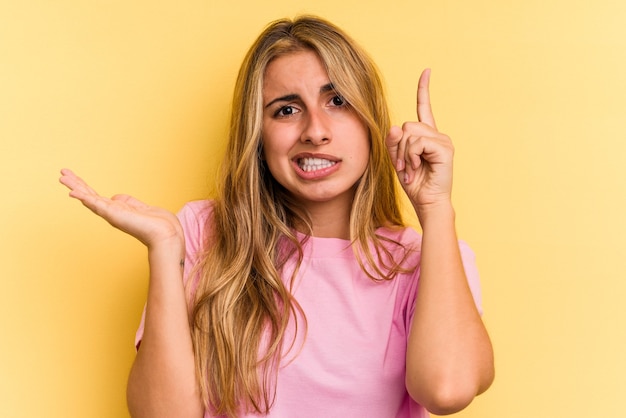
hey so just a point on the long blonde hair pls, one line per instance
(242, 306)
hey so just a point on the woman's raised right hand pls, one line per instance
(150, 225)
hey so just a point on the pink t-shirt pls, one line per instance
(351, 363)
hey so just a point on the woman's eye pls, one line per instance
(338, 101)
(285, 111)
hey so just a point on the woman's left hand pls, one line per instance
(422, 155)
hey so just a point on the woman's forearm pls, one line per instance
(162, 381)
(449, 358)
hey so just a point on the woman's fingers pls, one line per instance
(73, 182)
(394, 137)
(406, 147)
(82, 191)
(100, 205)
(130, 202)
(422, 156)
(424, 109)
(149, 224)
(404, 143)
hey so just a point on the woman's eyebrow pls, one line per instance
(286, 98)
(327, 87)
(291, 97)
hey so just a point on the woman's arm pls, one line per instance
(162, 381)
(449, 355)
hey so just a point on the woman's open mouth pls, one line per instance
(309, 164)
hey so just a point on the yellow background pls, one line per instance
(134, 96)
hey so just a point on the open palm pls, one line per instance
(149, 224)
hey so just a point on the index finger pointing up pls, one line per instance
(424, 111)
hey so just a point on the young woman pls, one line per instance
(298, 291)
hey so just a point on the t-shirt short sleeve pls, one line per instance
(471, 272)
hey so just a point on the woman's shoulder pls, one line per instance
(196, 212)
(197, 209)
(194, 217)
(404, 235)
(408, 237)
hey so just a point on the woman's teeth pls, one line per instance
(312, 164)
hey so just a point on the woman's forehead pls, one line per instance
(295, 72)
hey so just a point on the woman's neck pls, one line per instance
(330, 220)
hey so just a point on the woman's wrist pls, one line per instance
(170, 251)
(435, 214)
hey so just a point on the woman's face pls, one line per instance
(314, 143)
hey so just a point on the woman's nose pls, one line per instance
(316, 129)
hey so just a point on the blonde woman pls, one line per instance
(298, 291)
